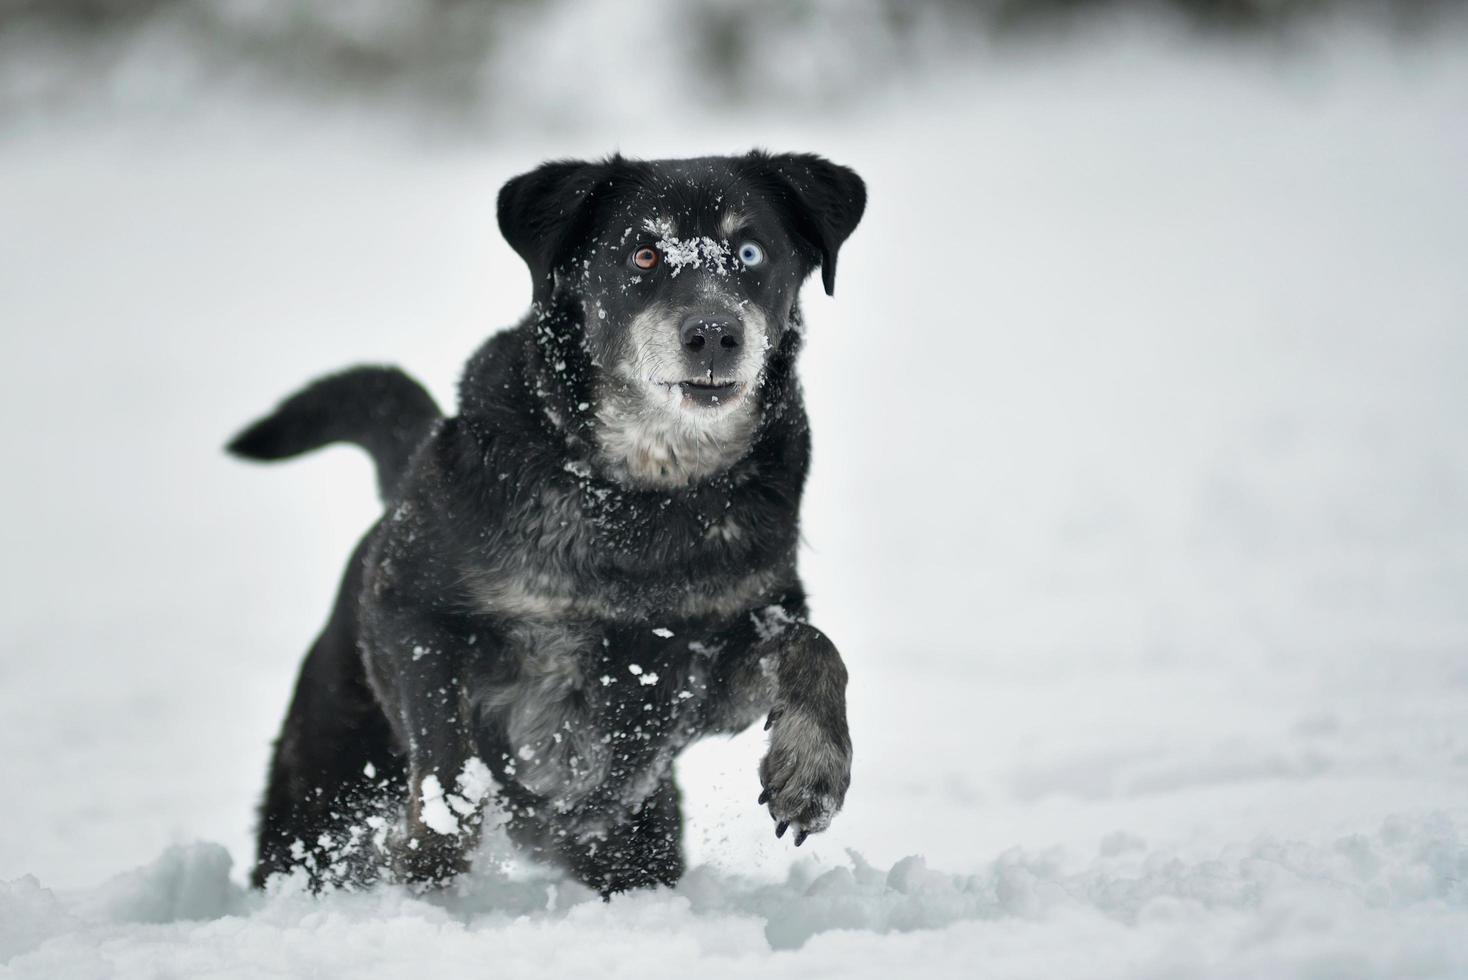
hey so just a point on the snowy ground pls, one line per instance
(1139, 510)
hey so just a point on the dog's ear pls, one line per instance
(823, 200)
(540, 211)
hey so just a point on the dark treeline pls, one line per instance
(437, 50)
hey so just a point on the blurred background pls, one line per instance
(1140, 497)
(482, 62)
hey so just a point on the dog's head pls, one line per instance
(665, 291)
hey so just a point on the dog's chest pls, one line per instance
(581, 549)
(593, 719)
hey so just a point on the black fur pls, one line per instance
(380, 409)
(587, 568)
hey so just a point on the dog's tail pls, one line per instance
(380, 409)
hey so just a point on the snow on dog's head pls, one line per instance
(666, 296)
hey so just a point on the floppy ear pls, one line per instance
(539, 211)
(826, 200)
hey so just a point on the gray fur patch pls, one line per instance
(545, 715)
(523, 594)
(731, 221)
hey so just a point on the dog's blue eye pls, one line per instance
(751, 254)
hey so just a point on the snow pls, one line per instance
(1139, 511)
(1388, 903)
(441, 811)
(703, 251)
(436, 813)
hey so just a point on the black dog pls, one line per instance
(592, 565)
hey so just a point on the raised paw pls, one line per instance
(805, 773)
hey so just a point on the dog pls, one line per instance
(594, 563)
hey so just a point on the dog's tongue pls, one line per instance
(707, 396)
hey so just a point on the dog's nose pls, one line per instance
(713, 336)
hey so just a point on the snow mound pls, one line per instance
(186, 882)
(29, 915)
(1296, 906)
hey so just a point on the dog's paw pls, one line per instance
(805, 773)
(427, 860)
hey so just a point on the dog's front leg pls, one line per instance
(423, 664)
(807, 768)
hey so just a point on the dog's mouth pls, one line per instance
(701, 393)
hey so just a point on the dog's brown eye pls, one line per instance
(645, 258)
